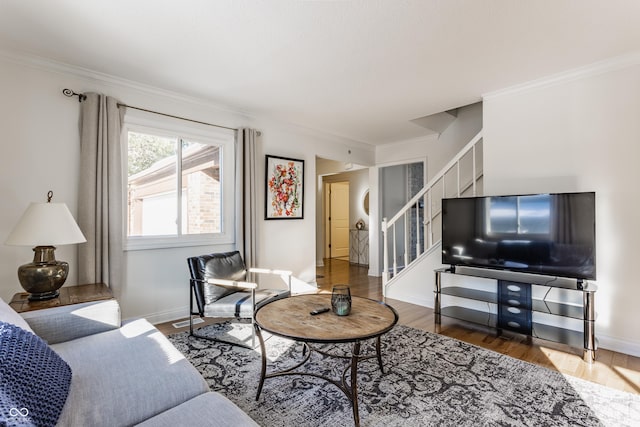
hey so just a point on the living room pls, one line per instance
(562, 116)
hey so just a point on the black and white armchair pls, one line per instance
(219, 289)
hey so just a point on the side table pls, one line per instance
(68, 295)
(359, 247)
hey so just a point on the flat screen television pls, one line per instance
(548, 234)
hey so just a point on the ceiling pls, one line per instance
(361, 69)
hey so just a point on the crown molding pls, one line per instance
(591, 70)
(313, 132)
(50, 65)
(58, 67)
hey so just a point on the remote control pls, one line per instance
(319, 311)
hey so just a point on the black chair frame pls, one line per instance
(197, 295)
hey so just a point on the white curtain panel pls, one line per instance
(100, 212)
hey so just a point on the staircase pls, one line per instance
(414, 233)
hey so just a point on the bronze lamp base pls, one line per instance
(44, 276)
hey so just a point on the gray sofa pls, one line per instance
(121, 375)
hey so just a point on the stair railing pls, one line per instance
(424, 239)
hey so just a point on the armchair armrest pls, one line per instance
(282, 273)
(232, 284)
(68, 322)
(268, 271)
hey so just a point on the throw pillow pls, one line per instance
(34, 380)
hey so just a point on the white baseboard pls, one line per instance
(166, 316)
(410, 298)
(616, 344)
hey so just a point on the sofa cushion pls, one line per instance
(34, 380)
(9, 315)
(125, 376)
(210, 409)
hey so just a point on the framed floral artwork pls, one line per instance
(284, 190)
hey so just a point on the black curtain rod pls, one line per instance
(174, 117)
(81, 97)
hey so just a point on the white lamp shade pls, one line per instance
(46, 224)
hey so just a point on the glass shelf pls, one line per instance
(473, 294)
(470, 315)
(556, 334)
(558, 309)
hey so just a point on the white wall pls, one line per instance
(437, 151)
(418, 280)
(40, 141)
(467, 125)
(580, 134)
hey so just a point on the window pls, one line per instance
(180, 184)
(520, 215)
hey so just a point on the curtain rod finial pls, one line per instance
(69, 93)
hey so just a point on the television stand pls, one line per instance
(520, 307)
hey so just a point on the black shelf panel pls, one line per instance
(472, 294)
(470, 315)
(556, 334)
(558, 309)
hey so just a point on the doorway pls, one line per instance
(329, 172)
(337, 220)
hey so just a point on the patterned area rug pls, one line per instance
(429, 380)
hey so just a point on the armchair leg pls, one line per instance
(191, 314)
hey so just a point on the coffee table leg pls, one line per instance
(263, 353)
(354, 382)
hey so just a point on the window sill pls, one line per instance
(166, 242)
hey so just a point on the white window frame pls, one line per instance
(143, 122)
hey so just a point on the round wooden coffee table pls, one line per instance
(291, 318)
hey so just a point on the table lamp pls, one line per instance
(44, 225)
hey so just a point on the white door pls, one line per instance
(339, 219)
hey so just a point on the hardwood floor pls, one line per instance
(616, 370)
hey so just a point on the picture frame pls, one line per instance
(284, 188)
